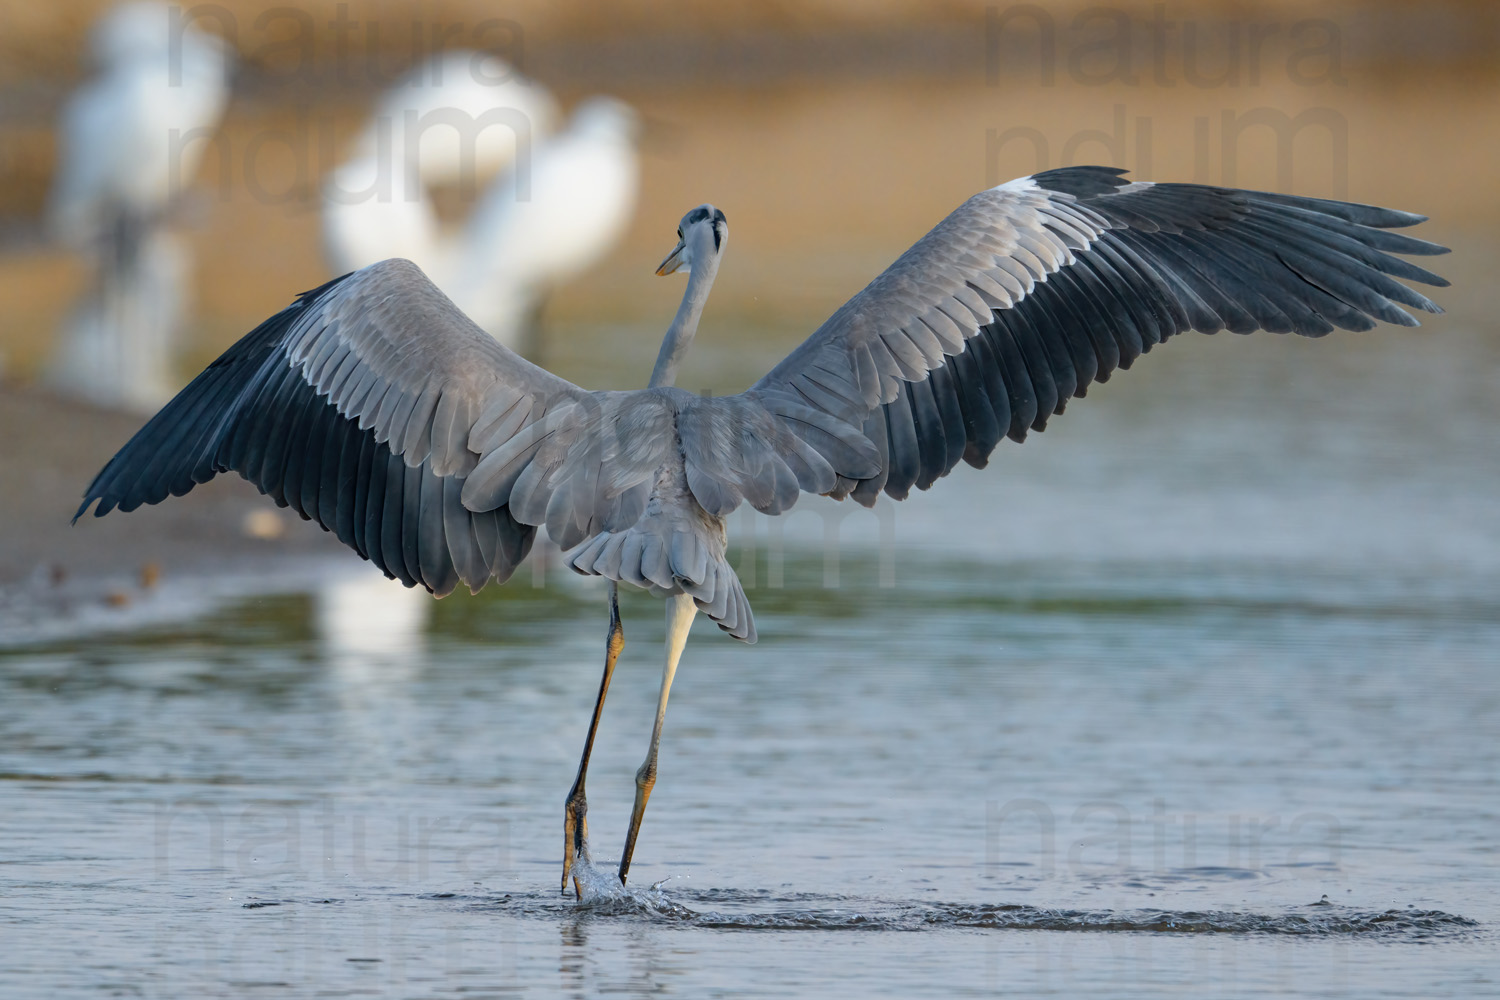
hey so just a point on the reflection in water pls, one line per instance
(372, 634)
(372, 628)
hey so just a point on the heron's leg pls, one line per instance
(575, 812)
(680, 612)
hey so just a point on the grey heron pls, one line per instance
(375, 407)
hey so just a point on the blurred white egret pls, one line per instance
(366, 219)
(519, 244)
(458, 118)
(129, 140)
(558, 204)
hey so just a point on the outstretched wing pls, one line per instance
(1019, 300)
(368, 405)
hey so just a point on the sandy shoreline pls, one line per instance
(50, 448)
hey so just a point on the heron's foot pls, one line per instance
(575, 838)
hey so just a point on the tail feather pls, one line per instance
(668, 558)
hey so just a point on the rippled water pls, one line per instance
(1197, 693)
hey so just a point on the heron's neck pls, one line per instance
(674, 346)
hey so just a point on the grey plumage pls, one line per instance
(373, 406)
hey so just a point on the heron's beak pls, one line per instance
(674, 259)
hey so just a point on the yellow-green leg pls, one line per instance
(680, 612)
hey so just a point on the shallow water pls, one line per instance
(1198, 691)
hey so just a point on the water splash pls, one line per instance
(601, 892)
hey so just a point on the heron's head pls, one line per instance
(701, 236)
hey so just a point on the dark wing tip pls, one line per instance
(1081, 182)
(177, 448)
(105, 504)
(1350, 211)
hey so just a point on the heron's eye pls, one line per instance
(679, 232)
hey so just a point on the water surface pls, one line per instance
(1199, 688)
